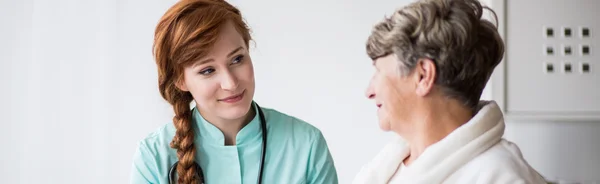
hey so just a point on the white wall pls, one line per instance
(78, 87)
(14, 39)
(559, 150)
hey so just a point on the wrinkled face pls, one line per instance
(222, 83)
(393, 94)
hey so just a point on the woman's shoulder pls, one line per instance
(288, 124)
(503, 161)
(152, 152)
(158, 140)
(507, 155)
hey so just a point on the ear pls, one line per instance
(425, 74)
(180, 83)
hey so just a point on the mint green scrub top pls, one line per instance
(296, 153)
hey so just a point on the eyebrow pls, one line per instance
(234, 51)
(210, 60)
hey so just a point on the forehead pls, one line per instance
(229, 38)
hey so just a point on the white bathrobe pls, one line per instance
(473, 153)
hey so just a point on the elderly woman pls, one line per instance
(433, 59)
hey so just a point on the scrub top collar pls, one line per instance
(208, 133)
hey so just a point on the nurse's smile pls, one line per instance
(234, 98)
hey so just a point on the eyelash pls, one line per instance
(207, 71)
(237, 60)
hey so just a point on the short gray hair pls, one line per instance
(452, 33)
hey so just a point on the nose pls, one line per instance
(370, 93)
(229, 81)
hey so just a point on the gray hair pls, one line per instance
(464, 47)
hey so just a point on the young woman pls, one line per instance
(201, 50)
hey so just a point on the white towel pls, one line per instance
(467, 155)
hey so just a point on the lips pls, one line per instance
(233, 98)
(378, 105)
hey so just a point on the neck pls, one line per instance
(432, 125)
(231, 127)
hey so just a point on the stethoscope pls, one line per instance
(263, 127)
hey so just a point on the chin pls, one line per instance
(385, 128)
(237, 111)
(384, 125)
